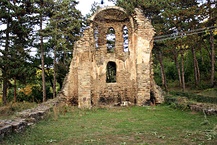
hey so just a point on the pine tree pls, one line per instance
(210, 6)
(64, 29)
(15, 38)
(42, 11)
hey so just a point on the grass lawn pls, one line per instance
(133, 125)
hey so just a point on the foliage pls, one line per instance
(160, 125)
(27, 90)
(15, 39)
(177, 102)
(37, 91)
(35, 94)
(22, 20)
(183, 35)
(63, 30)
(195, 97)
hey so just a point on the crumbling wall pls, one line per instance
(86, 83)
(125, 86)
(28, 117)
(77, 88)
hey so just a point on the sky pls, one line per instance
(85, 5)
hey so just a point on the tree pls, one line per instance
(15, 40)
(159, 55)
(176, 17)
(43, 9)
(212, 19)
(63, 29)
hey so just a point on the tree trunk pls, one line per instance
(211, 40)
(177, 67)
(42, 62)
(182, 70)
(200, 47)
(15, 90)
(196, 69)
(54, 62)
(5, 87)
(54, 73)
(163, 76)
(4, 72)
(212, 58)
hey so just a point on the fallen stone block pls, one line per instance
(19, 125)
(211, 111)
(5, 130)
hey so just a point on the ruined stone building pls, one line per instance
(112, 61)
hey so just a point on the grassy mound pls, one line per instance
(10, 110)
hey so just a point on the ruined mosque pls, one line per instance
(112, 61)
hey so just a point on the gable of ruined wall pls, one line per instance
(86, 81)
(125, 86)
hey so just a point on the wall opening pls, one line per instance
(96, 37)
(110, 37)
(125, 38)
(111, 72)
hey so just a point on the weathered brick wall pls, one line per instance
(144, 37)
(86, 81)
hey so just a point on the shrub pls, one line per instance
(30, 94)
(37, 93)
(177, 102)
(195, 97)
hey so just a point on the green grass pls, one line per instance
(211, 92)
(134, 125)
(196, 97)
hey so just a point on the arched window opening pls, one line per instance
(111, 72)
(110, 37)
(125, 37)
(96, 37)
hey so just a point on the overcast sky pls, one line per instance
(85, 5)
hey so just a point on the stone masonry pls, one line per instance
(28, 117)
(86, 83)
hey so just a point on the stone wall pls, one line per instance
(27, 117)
(86, 81)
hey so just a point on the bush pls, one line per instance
(198, 98)
(177, 102)
(35, 94)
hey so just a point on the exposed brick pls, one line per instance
(86, 81)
